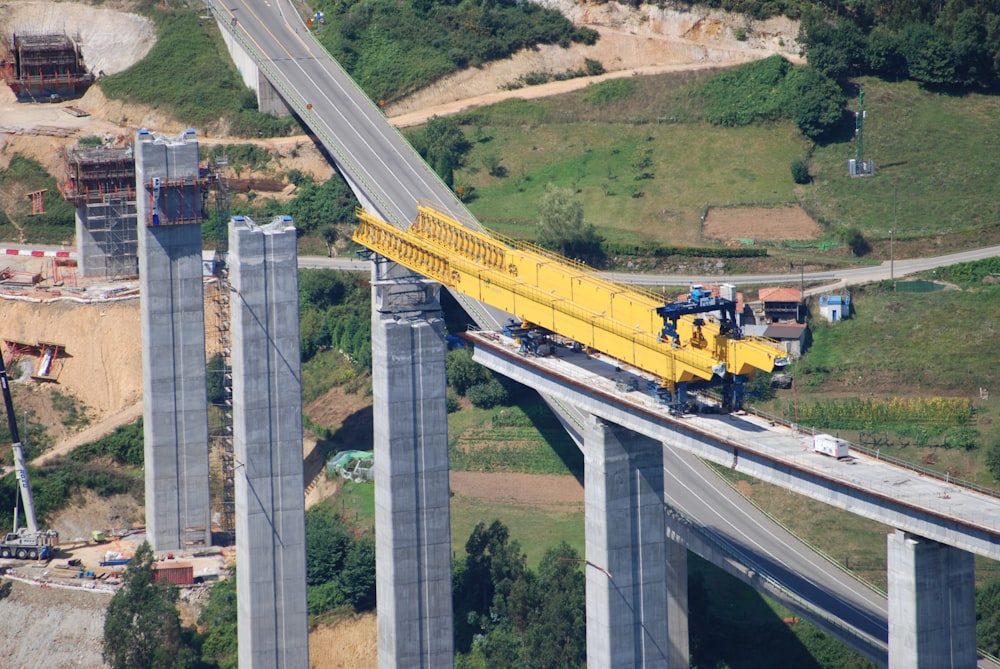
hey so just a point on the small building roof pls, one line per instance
(834, 300)
(785, 331)
(780, 294)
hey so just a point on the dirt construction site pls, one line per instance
(52, 611)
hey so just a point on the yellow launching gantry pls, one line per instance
(681, 343)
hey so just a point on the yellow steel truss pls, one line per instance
(544, 289)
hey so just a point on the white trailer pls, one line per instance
(827, 444)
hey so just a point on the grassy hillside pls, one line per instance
(938, 153)
(933, 153)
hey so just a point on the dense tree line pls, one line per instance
(949, 45)
(507, 615)
(335, 312)
(940, 43)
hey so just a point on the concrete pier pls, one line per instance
(175, 412)
(412, 512)
(267, 445)
(932, 604)
(627, 555)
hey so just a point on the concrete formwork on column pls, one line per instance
(175, 413)
(267, 446)
(628, 576)
(932, 604)
(412, 512)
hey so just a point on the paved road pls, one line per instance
(765, 547)
(833, 278)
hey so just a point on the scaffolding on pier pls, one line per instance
(44, 65)
(100, 183)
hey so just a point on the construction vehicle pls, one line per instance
(24, 542)
(685, 346)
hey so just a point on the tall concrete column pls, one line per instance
(677, 604)
(175, 405)
(267, 446)
(932, 604)
(628, 576)
(412, 512)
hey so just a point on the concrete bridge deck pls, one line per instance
(932, 508)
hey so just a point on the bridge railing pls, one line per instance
(757, 572)
(878, 455)
(302, 107)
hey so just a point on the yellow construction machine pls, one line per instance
(685, 345)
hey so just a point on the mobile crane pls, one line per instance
(684, 345)
(24, 542)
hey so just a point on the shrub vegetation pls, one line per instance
(394, 48)
(772, 89)
(26, 175)
(189, 73)
(335, 312)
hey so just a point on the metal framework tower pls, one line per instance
(39, 65)
(858, 166)
(221, 446)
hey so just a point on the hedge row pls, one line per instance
(616, 248)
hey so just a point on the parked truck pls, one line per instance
(827, 444)
(23, 542)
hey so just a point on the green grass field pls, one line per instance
(691, 170)
(535, 529)
(934, 157)
(939, 154)
(523, 438)
(909, 345)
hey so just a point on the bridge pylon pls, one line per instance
(412, 498)
(636, 577)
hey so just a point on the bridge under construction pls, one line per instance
(639, 617)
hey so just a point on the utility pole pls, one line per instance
(892, 235)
